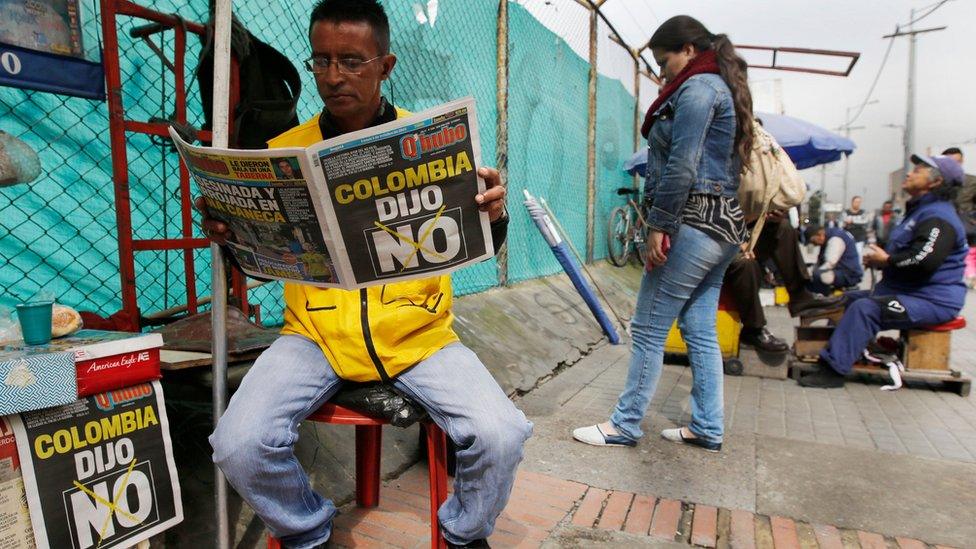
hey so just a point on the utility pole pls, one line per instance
(910, 108)
(909, 141)
(847, 133)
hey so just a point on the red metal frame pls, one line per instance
(119, 126)
(853, 56)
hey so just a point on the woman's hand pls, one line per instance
(745, 252)
(655, 248)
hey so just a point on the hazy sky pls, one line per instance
(946, 69)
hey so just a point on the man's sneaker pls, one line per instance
(762, 340)
(478, 543)
(678, 435)
(594, 436)
(824, 377)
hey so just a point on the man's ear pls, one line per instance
(389, 62)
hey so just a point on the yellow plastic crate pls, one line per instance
(726, 325)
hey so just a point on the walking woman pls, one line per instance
(699, 133)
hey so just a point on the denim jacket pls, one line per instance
(691, 149)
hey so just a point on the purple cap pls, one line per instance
(951, 170)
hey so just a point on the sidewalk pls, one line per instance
(855, 467)
(550, 512)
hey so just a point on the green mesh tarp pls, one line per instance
(59, 232)
(547, 140)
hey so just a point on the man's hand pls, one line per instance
(655, 248)
(493, 199)
(776, 215)
(875, 257)
(216, 231)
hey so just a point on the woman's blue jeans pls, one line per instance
(686, 287)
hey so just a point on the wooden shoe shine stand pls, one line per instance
(926, 354)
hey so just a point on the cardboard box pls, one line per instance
(111, 360)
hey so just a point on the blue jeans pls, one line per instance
(254, 440)
(687, 286)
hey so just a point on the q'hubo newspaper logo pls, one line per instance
(113, 494)
(414, 230)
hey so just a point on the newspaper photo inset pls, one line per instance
(384, 204)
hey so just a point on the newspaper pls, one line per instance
(99, 472)
(15, 525)
(388, 203)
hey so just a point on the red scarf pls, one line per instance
(703, 63)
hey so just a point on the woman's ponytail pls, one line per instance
(734, 71)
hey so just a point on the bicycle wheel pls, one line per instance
(619, 236)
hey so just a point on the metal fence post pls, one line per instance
(501, 94)
(591, 139)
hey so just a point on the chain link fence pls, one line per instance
(59, 232)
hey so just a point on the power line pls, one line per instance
(634, 19)
(884, 60)
(928, 13)
(651, 11)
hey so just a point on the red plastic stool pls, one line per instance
(369, 437)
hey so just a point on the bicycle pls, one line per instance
(626, 231)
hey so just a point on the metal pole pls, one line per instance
(637, 110)
(910, 111)
(218, 280)
(501, 98)
(823, 191)
(847, 157)
(591, 142)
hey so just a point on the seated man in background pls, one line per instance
(922, 270)
(839, 264)
(779, 242)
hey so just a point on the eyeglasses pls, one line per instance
(346, 65)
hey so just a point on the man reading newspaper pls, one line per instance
(399, 333)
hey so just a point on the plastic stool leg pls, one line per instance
(437, 473)
(369, 441)
(273, 542)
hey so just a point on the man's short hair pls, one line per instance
(952, 150)
(811, 231)
(358, 11)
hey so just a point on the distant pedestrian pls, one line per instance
(856, 222)
(700, 132)
(966, 206)
(884, 221)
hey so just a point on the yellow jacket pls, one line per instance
(373, 333)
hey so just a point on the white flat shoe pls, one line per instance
(595, 436)
(678, 435)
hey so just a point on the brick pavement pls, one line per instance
(546, 511)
